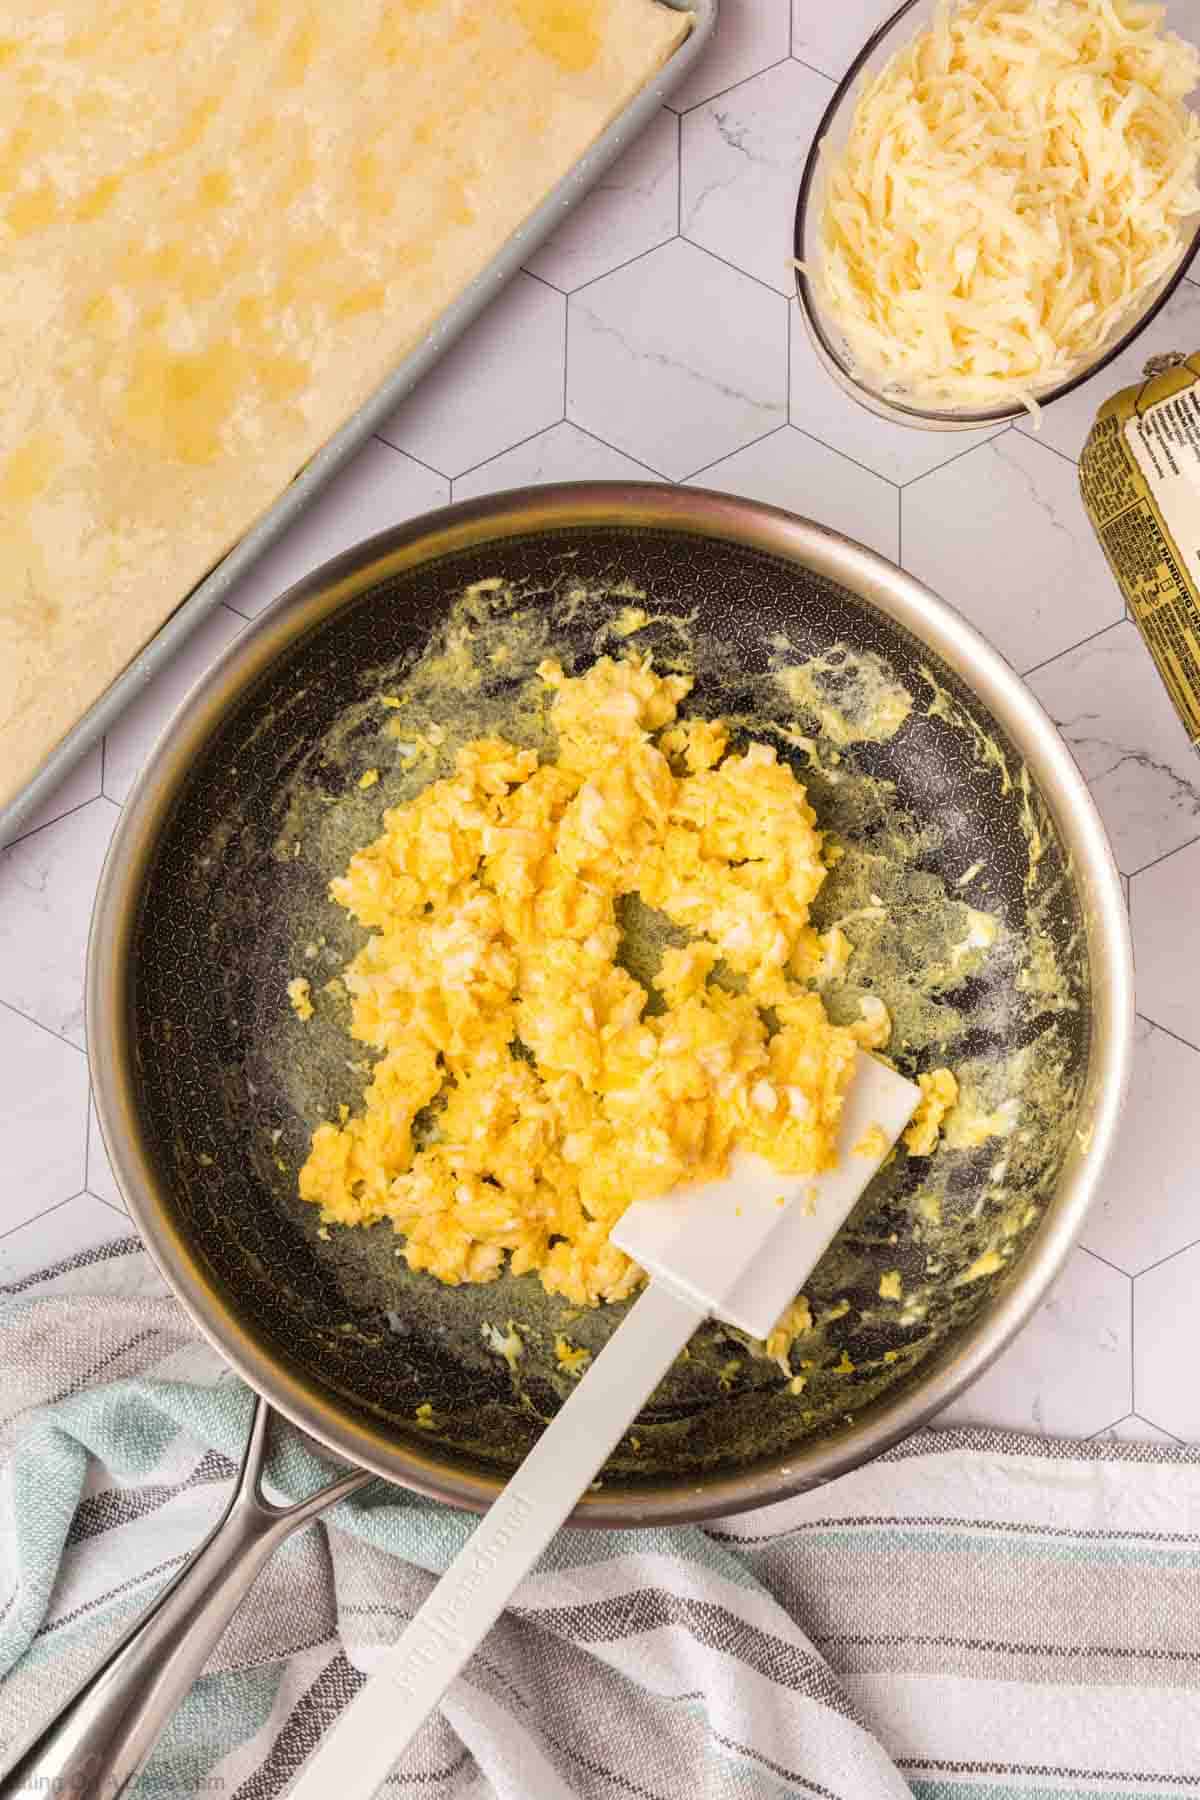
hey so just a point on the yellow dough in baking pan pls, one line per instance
(222, 223)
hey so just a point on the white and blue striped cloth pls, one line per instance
(974, 1617)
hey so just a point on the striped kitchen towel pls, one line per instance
(975, 1617)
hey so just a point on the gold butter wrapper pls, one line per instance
(1140, 479)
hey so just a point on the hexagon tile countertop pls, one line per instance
(656, 337)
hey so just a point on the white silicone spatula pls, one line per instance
(727, 1249)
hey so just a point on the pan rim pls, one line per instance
(875, 581)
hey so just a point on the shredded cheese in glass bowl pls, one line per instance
(1001, 195)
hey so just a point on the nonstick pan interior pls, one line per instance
(937, 817)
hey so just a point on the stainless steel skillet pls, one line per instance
(206, 1085)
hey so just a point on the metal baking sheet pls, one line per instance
(363, 424)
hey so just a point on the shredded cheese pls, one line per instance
(1016, 183)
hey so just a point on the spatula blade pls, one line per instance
(741, 1248)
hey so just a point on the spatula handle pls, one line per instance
(355, 1757)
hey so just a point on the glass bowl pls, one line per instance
(898, 30)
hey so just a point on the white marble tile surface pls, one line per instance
(680, 354)
(501, 382)
(633, 207)
(131, 739)
(750, 35)
(1107, 700)
(564, 453)
(45, 1118)
(76, 788)
(1033, 598)
(1065, 425)
(1157, 1158)
(741, 162)
(677, 359)
(1133, 1429)
(1069, 1371)
(46, 886)
(817, 406)
(791, 470)
(1165, 1388)
(380, 487)
(828, 34)
(83, 1223)
(99, 1179)
(1164, 910)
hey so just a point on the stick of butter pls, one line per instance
(1140, 479)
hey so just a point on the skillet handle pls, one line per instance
(103, 1736)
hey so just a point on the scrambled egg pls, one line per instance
(792, 1323)
(571, 1357)
(525, 1095)
(872, 1143)
(508, 1343)
(299, 992)
(939, 1094)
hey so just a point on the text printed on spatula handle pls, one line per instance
(440, 1631)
